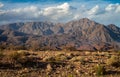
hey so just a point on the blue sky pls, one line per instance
(102, 11)
(113, 1)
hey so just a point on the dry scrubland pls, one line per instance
(59, 64)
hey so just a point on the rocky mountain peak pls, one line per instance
(82, 34)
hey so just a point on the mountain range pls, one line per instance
(83, 34)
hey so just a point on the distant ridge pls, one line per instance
(83, 34)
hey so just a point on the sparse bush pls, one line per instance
(57, 58)
(80, 59)
(18, 55)
(70, 75)
(61, 57)
(23, 52)
(107, 55)
(118, 53)
(99, 70)
(1, 55)
(50, 59)
(114, 61)
(15, 55)
(2, 47)
(74, 59)
(87, 52)
(22, 59)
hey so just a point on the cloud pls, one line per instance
(110, 14)
(94, 10)
(23, 14)
(1, 4)
(58, 12)
(27, 12)
(111, 7)
(55, 13)
(118, 9)
(26, 9)
(63, 9)
(61, 12)
(33, 1)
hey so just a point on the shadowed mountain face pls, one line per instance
(83, 34)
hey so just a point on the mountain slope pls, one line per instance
(83, 34)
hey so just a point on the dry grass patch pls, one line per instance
(18, 60)
(60, 63)
(80, 59)
(57, 58)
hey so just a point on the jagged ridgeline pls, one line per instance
(83, 34)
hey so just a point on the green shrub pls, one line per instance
(99, 70)
(114, 61)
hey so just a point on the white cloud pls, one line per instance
(61, 13)
(30, 11)
(56, 12)
(118, 9)
(20, 14)
(94, 10)
(1, 4)
(26, 9)
(111, 7)
(76, 16)
(64, 8)
(111, 14)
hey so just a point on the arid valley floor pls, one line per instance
(65, 63)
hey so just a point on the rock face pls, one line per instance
(83, 34)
